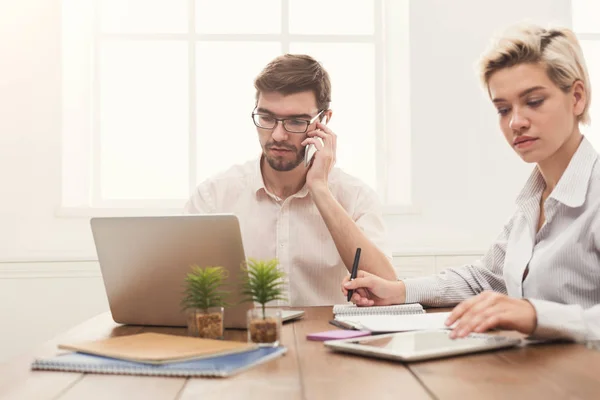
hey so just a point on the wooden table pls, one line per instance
(310, 371)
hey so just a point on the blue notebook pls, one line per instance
(222, 366)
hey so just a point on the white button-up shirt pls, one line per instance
(292, 230)
(563, 258)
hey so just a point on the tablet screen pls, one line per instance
(410, 342)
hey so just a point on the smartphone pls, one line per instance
(311, 149)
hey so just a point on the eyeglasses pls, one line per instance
(292, 125)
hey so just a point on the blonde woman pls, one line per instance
(542, 274)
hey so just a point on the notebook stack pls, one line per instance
(159, 355)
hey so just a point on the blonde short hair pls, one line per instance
(556, 49)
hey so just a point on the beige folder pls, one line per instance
(157, 348)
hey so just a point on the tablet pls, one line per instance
(420, 345)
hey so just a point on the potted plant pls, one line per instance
(262, 283)
(204, 301)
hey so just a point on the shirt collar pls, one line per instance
(258, 182)
(572, 187)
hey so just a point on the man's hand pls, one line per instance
(324, 158)
(371, 290)
(489, 310)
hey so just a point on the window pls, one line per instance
(157, 94)
(586, 24)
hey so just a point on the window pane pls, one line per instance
(144, 120)
(225, 76)
(332, 17)
(238, 16)
(353, 103)
(591, 50)
(76, 102)
(586, 16)
(144, 16)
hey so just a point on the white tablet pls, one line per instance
(420, 345)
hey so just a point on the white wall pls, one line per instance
(42, 300)
(465, 176)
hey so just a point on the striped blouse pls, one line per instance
(562, 259)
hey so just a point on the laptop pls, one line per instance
(421, 345)
(144, 261)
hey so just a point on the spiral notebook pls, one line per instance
(395, 323)
(222, 366)
(400, 309)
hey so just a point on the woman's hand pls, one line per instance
(489, 310)
(371, 290)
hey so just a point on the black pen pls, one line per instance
(341, 324)
(354, 271)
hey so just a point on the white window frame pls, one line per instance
(391, 115)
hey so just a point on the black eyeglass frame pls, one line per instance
(283, 121)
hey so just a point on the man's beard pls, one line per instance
(282, 165)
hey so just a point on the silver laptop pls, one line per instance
(144, 261)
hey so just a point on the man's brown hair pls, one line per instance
(295, 73)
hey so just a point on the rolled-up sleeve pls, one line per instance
(368, 216)
(201, 201)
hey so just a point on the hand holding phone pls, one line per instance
(311, 149)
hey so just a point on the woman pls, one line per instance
(542, 275)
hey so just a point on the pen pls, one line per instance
(354, 271)
(341, 324)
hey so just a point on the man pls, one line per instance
(312, 218)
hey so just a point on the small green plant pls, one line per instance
(263, 282)
(204, 288)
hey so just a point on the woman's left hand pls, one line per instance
(489, 310)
